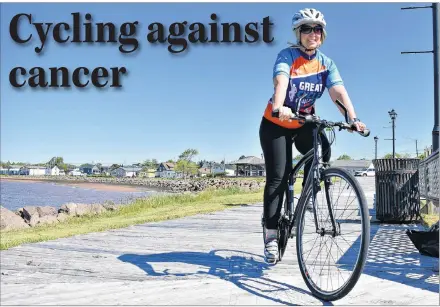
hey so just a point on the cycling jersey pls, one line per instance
(309, 75)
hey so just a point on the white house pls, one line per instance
(75, 172)
(54, 171)
(33, 170)
(126, 171)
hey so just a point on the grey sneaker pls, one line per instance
(271, 251)
(270, 245)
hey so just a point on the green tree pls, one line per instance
(390, 156)
(188, 154)
(422, 156)
(298, 157)
(56, 161)
(114, 166)
(185, 163)
(344, 157)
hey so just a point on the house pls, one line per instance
(167, 170)
(147, 173)
(105, 170)
(75, 172)
(90, 169)
(126, 171)
(249, 166)
(33, 170)
(14, 170)
(53, 171)
(351, 165)
(216, 168)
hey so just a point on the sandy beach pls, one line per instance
(103, 187)
(86, 185)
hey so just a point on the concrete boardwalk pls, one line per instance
(212, 259)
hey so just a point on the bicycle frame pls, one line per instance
(312, 180)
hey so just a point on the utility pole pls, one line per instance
(435, 51)
(393, 116)
(375, 147)
(417, 151)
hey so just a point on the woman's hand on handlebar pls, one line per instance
(359, 126)
(285, 113)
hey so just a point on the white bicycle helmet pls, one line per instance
(308, 16)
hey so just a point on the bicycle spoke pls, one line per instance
(321, 258)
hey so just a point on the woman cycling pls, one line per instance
(300, 70)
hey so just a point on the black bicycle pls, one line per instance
(316, 219)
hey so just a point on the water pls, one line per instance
(17, 194)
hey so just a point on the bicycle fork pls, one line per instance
(316, 171)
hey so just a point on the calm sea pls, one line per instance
(17, 194)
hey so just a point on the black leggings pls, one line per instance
(276, 143)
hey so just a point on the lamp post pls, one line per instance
(393, 116)
(436, 53)
(375, 147)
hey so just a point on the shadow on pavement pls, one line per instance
(240, 268)
(392, 256)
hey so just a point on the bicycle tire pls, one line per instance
(365, 239)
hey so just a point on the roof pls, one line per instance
(15, 166)
(351, 163)
(35, 167)
(87, 165)
(168, 166)
(250, 160)
(131, 168)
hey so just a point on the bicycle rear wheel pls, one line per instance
(325, 268)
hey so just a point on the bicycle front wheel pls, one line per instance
(331, 259)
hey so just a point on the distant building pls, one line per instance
(249, 166)
(126, 171)
(53, 171)
(352, 165)
(90, 169)
(167, 170)
(33, 170)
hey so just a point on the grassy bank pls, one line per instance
(156, 208)
(429, 219)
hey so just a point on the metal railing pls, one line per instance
(429, 177)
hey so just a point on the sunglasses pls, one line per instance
(309, 29)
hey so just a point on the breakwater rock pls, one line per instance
(31, 216)
(172, 185)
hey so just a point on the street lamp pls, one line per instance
(375, 150)
(393, 116)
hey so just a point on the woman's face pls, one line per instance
(311, 35)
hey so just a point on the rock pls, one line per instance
(47, 219)
(97, 208)
(46, 210)
(9, 220)
(61, 217)
(29, 212)
(83, 209)
(110, 206)
(34, 220)
(69, 209)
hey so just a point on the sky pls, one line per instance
(210, 97)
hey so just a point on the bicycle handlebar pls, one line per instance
(315, 119)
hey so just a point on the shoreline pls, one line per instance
(177, 185)
(112, 187)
